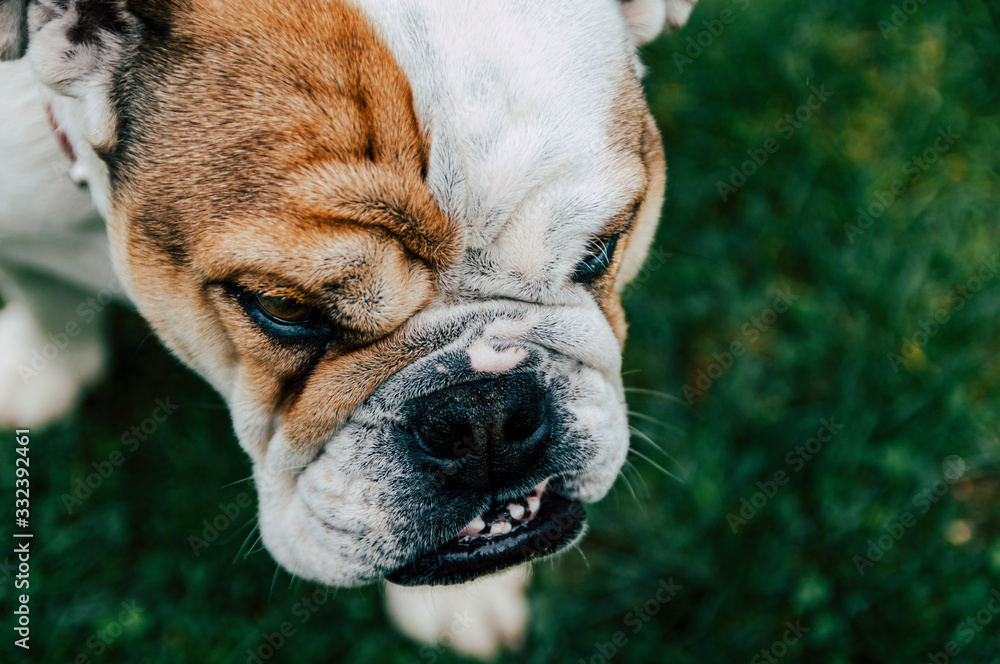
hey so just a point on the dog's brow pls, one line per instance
(624, 220)
(310, 254)
(363, 275)
(394, 201)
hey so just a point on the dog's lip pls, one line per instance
(557, 523)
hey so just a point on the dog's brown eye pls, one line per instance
(286, 320)
(283, 309)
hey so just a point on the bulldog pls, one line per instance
(392, 234)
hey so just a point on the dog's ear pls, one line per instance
(14, 18)
(74, 47)
(13, 28)
(648, 18)
(75, 43)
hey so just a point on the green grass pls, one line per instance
(856, 297)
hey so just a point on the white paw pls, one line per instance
(42, 376)
(648, 18)
(476, 619)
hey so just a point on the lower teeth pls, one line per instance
(500, 528)
(508, 518)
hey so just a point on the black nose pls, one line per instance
(496, 426)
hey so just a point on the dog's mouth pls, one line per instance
(537, 524)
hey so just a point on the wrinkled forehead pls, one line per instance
(533, 110)
(449, 124)
(268, 114)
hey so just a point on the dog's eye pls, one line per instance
(600, 253)
(283, 309)
(284, 319)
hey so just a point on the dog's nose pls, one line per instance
(497, 424)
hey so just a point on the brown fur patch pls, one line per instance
(267, 107)
(637, 140)
(276, 146)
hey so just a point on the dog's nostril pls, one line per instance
(524, 425)
(445, 439)
(493, 417)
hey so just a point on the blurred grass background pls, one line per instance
(718, 264)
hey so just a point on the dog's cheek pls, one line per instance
(255, 407)
(613, 311)
(174, 304)
(647, 218)
(610, 303)
(301, 543)
(336, 387)
(268, 379)
(598, 421)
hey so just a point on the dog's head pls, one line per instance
(392, 234)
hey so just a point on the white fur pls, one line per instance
(30, 398)
(78, 90)
(517, 99)
(484, 358)
(53, 251)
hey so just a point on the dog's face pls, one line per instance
(392, 234)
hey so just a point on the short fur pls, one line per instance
(427, 174)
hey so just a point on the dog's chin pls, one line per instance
(509, 533)
(356, 514)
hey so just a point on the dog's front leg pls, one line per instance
(56, 279)
(51, 346)
(476, 619)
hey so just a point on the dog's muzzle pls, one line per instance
(488, 441)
